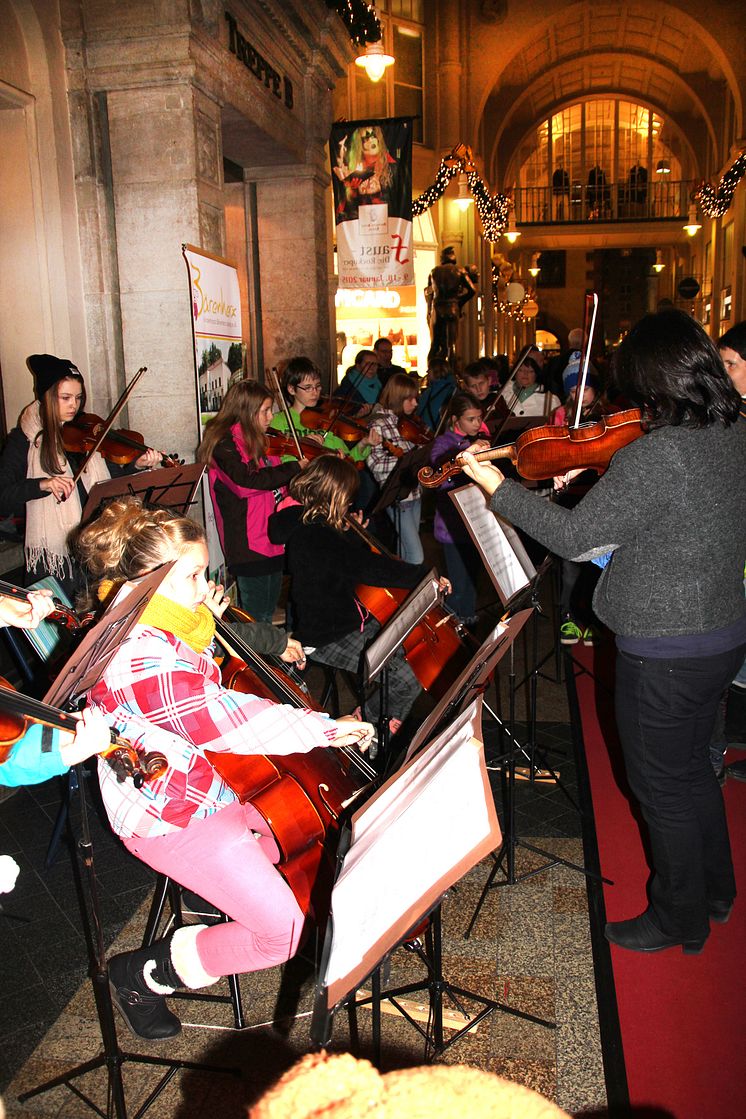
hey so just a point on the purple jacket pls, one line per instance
(448, 526)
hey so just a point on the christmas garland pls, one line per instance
(493, 209)
(361, 21)
(714, 203)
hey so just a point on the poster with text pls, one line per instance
(371, 163)
(218, 358)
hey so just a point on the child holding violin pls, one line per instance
(301, 387)
(36, 471)
(246, 483)
(577, 580)
(464, 430)
(398, 400)
(41, 752)
(327, 561)
(187, 823)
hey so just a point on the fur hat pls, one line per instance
(48, 370)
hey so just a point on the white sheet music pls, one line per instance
(417, 834)
(507, 562)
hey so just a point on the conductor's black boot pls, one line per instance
(140, 981)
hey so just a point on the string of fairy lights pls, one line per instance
(714, 203)
(494, 212)
(361, 21)
(493, 209)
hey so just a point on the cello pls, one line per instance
(301, 796)
(434, 649)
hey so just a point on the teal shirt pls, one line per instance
(29, 763)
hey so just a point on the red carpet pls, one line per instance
(682, 1018)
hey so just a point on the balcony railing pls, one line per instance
(614, 202)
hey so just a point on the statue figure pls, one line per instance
(448, 290)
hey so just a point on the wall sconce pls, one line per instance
(464, 200)
(663, 167)
(534, 270)
(374, 60)
(692, 225)
(659, 265)
(511, 234)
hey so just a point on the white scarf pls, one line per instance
(49, 522)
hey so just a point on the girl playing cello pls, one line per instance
(187, 824)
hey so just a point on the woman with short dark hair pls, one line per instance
(672, 523)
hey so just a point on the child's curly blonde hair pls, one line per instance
(129, 539)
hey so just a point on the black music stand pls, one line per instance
(384, 889)
(170, 487)
(382, 648)
(403, 478)
(81, 672)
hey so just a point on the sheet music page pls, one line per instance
(499, 545)
(400, 625)
(430, 817)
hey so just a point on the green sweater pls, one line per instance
(331, 442)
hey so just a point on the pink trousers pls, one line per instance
(221, 859)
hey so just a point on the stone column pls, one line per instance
(166, 169)
(292, 218)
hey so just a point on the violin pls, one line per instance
(434, 649)
(331, 417)
(301, 796)
(61, 613)
(544, 452)
(79, 436)
(282, 443)
(18, 712)
(414, 430)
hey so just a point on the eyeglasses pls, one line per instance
(310, 387)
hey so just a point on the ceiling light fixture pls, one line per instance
(692, 225)
(374, 60)
(534, 270)
(659, 265)
(511, 233)
(464, 200)
(663, 167)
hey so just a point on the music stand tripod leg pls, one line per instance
(112, 1057)
(436, 987)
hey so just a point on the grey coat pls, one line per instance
(672, 508)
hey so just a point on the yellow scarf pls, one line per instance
(195, 628)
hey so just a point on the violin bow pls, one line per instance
(516, 366)
(589, 325)
(109, 423)
(275, 381)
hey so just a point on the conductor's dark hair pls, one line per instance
(734, 339)
(669, 366)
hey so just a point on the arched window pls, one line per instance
(600, 158)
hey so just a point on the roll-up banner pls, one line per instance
(218, 357)
(371, 162)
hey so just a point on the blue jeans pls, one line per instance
(665, 713)
(258, 594)
(406, 518)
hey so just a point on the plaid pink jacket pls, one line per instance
(161, 695)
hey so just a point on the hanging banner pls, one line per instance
(372, 178)
(218, 357)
